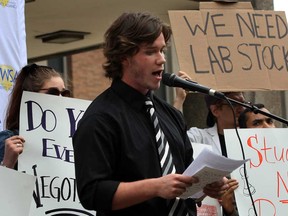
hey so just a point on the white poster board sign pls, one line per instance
(267, 171)
(16, 190)
(47, 123)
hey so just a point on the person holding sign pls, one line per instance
(119, 161)
(34, 78)
(219, 117)
(180, 92)
(249, 119)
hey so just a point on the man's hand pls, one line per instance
(173, 185)
(216, 189)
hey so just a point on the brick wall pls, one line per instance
(87, 74)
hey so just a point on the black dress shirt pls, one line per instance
(115, 142)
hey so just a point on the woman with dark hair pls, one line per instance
(33, 78)
(220, 116)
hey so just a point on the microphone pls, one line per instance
(175, 81)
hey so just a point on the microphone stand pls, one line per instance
(257, 110)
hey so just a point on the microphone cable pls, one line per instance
(243, 154)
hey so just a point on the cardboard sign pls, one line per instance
(267, 170)
(47, 123)
(231, 47)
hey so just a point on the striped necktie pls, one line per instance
(176, 206)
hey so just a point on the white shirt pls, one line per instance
(207, 136)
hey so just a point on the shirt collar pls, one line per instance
(129, 94)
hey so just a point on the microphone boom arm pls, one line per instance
(174, 81)
(256, 110)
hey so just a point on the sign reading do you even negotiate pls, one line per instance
(230, 46)
(47, 123)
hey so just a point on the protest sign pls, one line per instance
(47, 123)
(16, 190)
(231, 47)
(267, 170)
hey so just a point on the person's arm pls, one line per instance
(13, 148)
(224, 194)
(180, 93)
(227, 199)
(167, 187)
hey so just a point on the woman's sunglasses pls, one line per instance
(57, 92)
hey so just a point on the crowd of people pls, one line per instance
(129, 159)
(221, 116)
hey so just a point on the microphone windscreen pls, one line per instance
(168, 79)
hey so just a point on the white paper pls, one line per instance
(16, 190)
(208, 167)
(209, 205)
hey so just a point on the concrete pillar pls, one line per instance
(195, 110)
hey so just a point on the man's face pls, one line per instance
(259, 120)
(143, 71)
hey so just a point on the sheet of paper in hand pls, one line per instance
(208, 167)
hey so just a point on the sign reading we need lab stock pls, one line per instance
(47, 123)
(13, 55)
(231, 47)
(267, 170)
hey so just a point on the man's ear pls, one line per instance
(125, 61)
(214, 110)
